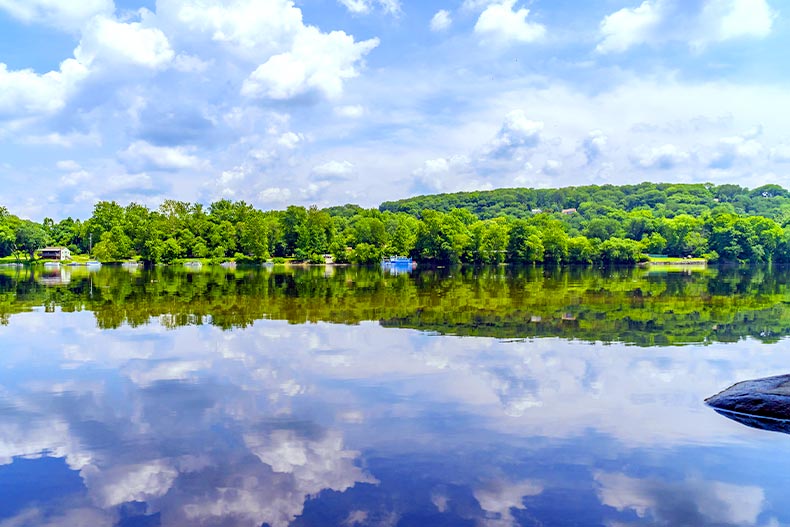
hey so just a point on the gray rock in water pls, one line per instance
(759, 403)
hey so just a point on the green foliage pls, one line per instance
(520, 226)
(30, 237)
(580, 250)
(620, 251)
(614, 304)
(365, 253)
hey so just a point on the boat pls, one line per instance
(51, 264)
(398, 260)
(398, 264)
(93, 263)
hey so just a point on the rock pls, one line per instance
(759, 403)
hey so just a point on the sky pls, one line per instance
(327, 102)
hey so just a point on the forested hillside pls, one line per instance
(574, 225)
(663, 199)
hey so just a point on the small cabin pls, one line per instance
(55, 253)
(569, 211)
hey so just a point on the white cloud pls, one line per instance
(441, 21)
(627, 27)
(662, 157)
(107, 40)
(317, 62)
(499, 23)
(290, 140)
(350, 111)
(499, 497)
(129, 483)
(276, 195)
(24, 92)
(68, 15)
(668, 503)
(334, 169)
(392, 7)
(732, 150)
(250, 28)
(446, 174)
(739, 18)
(593, 145)
(655, 22)
(141, 155)
(517, 132)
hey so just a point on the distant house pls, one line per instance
(569, 211)
(537, 211)
(55, 253)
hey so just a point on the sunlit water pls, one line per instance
(300, 398)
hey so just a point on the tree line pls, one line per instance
(573, 225)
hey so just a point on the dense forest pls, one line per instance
(573, 225)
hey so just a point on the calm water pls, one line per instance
(351, 397)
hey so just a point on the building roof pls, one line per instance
(54, 249)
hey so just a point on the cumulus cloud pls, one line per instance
(141, 155)
(334, 170)
(290, 140)
(105, 39)
(122, 484)
(317, 62)
(499, 497)
(274, 195)
(699, 24)
(70, 16)
(689, 502)
(740, 148)
(445, 174)
(594, 145)
(501, 24)
(24, 92)
(248, 28)
(441, 21)
(517, 132)
(297, 59)
(661, 157)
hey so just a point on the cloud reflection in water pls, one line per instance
(362, 425)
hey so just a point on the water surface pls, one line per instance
(333, 396)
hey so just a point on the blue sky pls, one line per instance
(325, 102)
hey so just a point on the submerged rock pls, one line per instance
(759, 403)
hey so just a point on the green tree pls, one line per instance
(30, 237)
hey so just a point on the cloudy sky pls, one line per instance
(326, 102)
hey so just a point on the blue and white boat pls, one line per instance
(398, 264)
